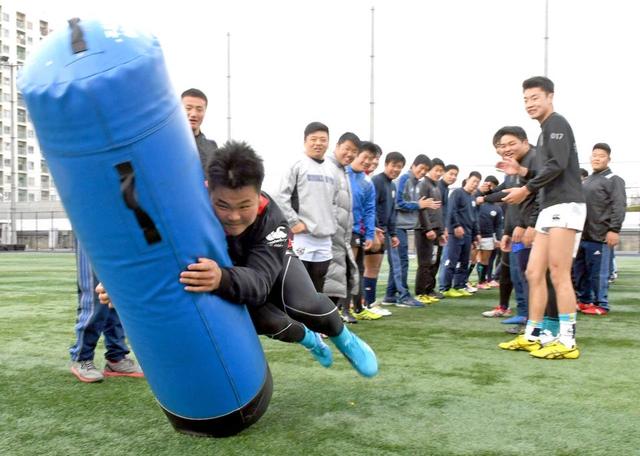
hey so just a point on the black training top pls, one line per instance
(206, 148)
(257, 256)
(558, 178)
(606, 205)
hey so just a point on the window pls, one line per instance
(30, 150)
(29, 25)
(6, 113)
(22, 195)
(22, 132)
(31, 181)
(5, 17)
(44, 195)
(32, 197)
(7, 130)
(31, 166)
(30, 133)
(7, 162)
(7, 146)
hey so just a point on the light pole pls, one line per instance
(4, 61)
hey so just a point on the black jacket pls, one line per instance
(606, 205)
(558, 177)
(257, 255)
(431, 219)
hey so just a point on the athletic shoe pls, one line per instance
(409, 302)
(595, 310)
(425, 299)
(515, 320)
(436, 295)
(484, 286)
(357, 352)
(347, 317)
(547, 337)
(520, 343)
(470, 289)
(581, 306)
(126, 367)
(494, 284)
(556, 350)
(365, 314)
(321, 352)
(497, 311)
(465, 291)
(517, 329)
(452, 293)
(86, 371)
(380, 311)
(389, 301)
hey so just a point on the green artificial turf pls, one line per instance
(444, 387)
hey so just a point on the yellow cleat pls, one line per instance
(521, 343)
(366, 314)
(452, 293)
(556, 350)
(426, 299)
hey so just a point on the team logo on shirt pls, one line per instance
(277, 237)
(556, 136)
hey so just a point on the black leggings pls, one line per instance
(317, 271)
(292, 303)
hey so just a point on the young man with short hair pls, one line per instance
(430, 235)
(490, 220)
(463, 228)
(408, 204)
(606, 206)
(561, 218)
(265, 275)
(363, 236)
(307, 197)
(342, 280)
(386, 222)
(195, 103)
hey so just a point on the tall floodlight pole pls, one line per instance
(371, 98)
(228, 86)
(546, 38)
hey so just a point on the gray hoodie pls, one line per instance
(308, 194)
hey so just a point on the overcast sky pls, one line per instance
(448, 74)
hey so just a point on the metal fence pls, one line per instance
(51, 231)
(36, 231)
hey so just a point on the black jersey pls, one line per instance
(257, 255)
(558, 177)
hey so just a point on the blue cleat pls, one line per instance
(517, 320)
(320, 351)
(357, 352)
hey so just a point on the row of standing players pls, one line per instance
(545, 213)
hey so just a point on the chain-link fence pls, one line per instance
(36, 231)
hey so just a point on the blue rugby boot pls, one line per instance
(320, 351)
(357, 352)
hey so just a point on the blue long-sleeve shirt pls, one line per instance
(385, 203)
(407, 196)
(462, 212)
(364, 204)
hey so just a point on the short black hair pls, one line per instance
(422, 159)
(603, 146)
(436, 162)
(513, 130)
(371, 147)
(583, 172)
(196, 93)
(235, 165)
(450, 167)
(348, 136)
(492, 179)
(395, 157)
(313, 127)
(475, 174)
(541, 82)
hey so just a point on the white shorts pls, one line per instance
(565, 215)
(312, 248)
(487, 243)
